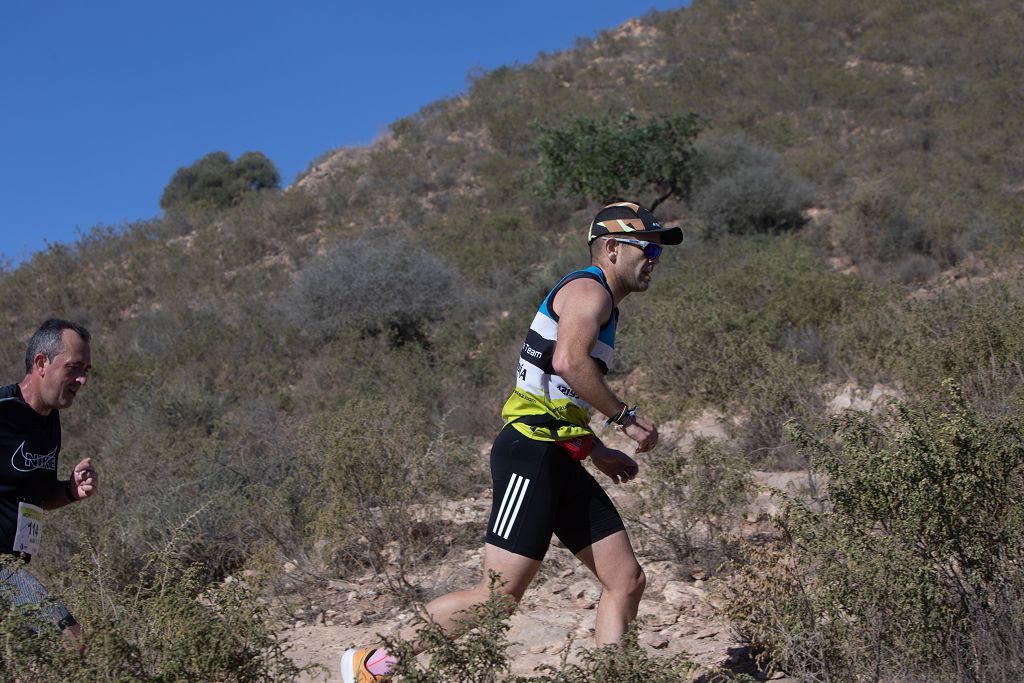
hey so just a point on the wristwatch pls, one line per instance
(628, 418)
(625, 417)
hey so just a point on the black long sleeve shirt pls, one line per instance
(29, 446)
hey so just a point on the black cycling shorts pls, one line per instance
(540, 490)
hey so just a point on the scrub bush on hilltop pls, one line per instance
(877, 225)
(975, 336)
(376, 284)
(744, 188)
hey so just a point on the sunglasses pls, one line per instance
(652, 250)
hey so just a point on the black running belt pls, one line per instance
(543, 420)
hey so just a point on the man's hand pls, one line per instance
(619, 467)
(643, 432)
(84, 479)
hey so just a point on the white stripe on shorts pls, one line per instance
(510, 504)
(504, 502)
(522, 495)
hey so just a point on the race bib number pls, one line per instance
(30, 529)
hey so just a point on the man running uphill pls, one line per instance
(57, 363)
(540, 484)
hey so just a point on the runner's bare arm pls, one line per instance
(583, 306)
(618, 466)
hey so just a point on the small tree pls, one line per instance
(604, 159)
(218, 182)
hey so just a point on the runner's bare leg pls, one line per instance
(517, 571)
(614, 564)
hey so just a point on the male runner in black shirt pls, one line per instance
(57, 363)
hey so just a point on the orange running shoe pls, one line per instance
(355, 666)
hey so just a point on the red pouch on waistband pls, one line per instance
(579, 448)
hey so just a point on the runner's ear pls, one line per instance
(612, 249)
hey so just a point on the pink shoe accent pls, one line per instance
(382, 664)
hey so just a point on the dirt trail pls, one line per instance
(677, 611)
(561, 605)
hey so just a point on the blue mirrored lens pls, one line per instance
(652, 250)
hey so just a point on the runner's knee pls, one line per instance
(630, 582)
(641, 581)
(514, 590)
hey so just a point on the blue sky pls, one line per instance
(100, 102)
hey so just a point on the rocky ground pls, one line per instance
(678, 611)
(559, 608)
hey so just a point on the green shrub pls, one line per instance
(210, 515)
(201, 415)
(217, 182)
(30, 648)
(598, 158)
(749, 325)
(877, 224)
(165, 624)
(974, 335)
(624, 662)
(910, 568)
(742, 188)
(691, 495)
(363, 470)
(479, 654)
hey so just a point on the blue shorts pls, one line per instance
(538, 491)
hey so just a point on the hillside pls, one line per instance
(280, 380)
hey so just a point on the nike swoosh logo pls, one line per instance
(27, 462)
